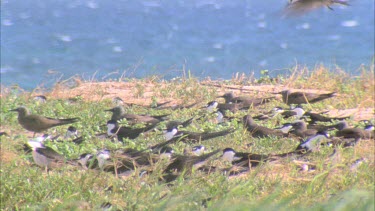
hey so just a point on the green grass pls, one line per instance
(271, 186)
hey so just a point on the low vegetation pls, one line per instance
(334, 183)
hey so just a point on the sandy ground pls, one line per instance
(98, 91)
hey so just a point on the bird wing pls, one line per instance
(50, 153)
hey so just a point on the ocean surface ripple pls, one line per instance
(43, 41)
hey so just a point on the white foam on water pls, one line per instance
(6, 22)
(303, 26)
(210, 59)
(334, 37)
(349, 23)
(262, 24)
(151, 3)
(284, 45)
(64, 38)
(6, 69)
(217, 45)
(117, 49)
(92, 5)
(263, 63)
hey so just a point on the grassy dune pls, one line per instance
(334, 184)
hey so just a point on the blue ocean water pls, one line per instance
(43, 40)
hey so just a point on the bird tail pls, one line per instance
(208, 155)
(323, 96)
(267, 100)
(187, 122)
(161, 117)
(150, 127)
(216, 134)
(67, 121)
(163, 144)
(283, 155)
(341, 2)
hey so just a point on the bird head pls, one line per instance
(227, 96)
(198, 150)
(35, 144)
(211, 106)
(118, 110)
(22, 111)
(228, 154)
(111, 124)
(298, 124)
(166, 152)
(342, 125)
(170, 132)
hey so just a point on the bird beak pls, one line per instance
(109, 110)
(13, 110)
(276, 93)
(219, 96)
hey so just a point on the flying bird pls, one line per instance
(299, 7)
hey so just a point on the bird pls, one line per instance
(158, 105)
(118, 101)
(184, 162)
(45, 156)
(37, 123)
(300, 129)
(243, 159)
(290, 97)
(316, 117)
(369, 127)
(173, 134)
(124, 161)
(249, 160)
(233, 107)
(185, 123)
(113, 129)
(341, 141)
(299, 7)
(196, 150)
(285, 128)
(346, 132)
(118, 113)
(296, 112)
(246, 101)
(259, 131)
(27, 148)
(177, 107)
(354, 166)
(40, 98)
(103, 158)
(218, 117)
(87, 161)
(312, 142)
(3, 134)
(72, 132)
(319, 127)
(211, 106)
(270, 114)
